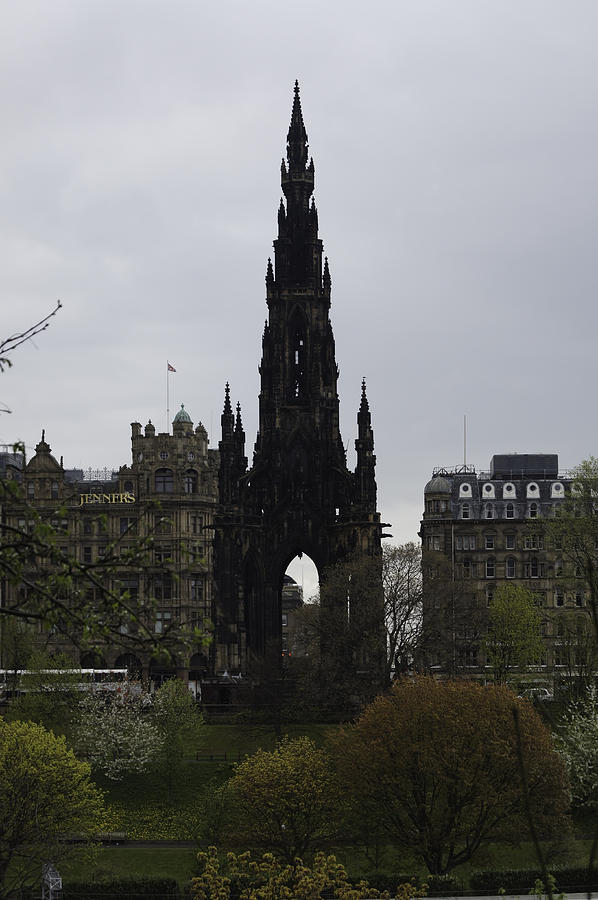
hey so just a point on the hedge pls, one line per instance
(122, 889)
(521, 881)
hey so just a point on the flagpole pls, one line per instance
(167, 396)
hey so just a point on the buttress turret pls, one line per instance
(366, 460)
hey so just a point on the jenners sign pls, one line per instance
(86, 499)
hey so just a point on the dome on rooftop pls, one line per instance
(182, 415)
(438, 485)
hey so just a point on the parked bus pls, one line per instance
(14, 682)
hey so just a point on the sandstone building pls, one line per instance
(481, 529)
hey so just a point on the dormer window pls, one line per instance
(465, 490)
(508, 490)
(557, 489)
(533, 490)
(488, 492)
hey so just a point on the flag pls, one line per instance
(170, 368)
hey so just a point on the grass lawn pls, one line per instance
(122, 862)
(178, 862)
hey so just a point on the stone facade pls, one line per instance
(483, 529)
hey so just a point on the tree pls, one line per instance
(45, 795)
(115, 734)
(50, 693)
(437, 763)
(513, 638)
(577, 742)
(176, 716)
(402, 587)
(285, 797)
(573, 532)
(374, 638)
(269, 879)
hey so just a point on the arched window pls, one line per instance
(164, 481)
(533, 510)
(30, 490)
(510, 511)
(489, 511)
(510, 567)
(190, 482)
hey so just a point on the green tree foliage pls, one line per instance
(437, 764)
(285, 798)
(45, 795)
(50, 693)
(115, 734)
(513, 638)
(573, 533)
(176, 716)
(269, 879)
(577, 742)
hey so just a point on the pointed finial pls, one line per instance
(364, 405)
(326, 280)
(43, 435)
(227, 406)
(269, 272)
(297, 136)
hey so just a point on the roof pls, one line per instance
(182, 415)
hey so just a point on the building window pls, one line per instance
(490, 568)
(533, 568)
(558, 568)
(533, 510)
(161, 587)
(128, 524)
(196, 524)
(162, 554)
(510, 567)
(190, 482)
(465, 510)
(510, 511)
(54, 490)
(579, 598)
(163, 620)
(465, 542)
(163, 454)
(196, 590)
(489, 595)
(87, 526)
(489, 511)
(164, 481)
(559, 597)
(509, 541)
(433, 542)
(30, 490)
(489, 542)
(87, 554)
(285, 620)
(533, 542)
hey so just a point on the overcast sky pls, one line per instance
(455, 146)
